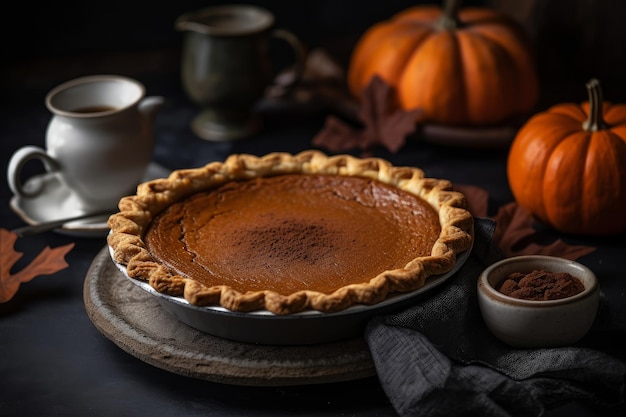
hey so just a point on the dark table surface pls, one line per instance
(54, 362)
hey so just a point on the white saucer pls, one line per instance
(58, 202)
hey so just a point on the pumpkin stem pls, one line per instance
(595, 121)
(449, 20)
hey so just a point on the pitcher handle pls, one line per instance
(17, 162)
(300, 52)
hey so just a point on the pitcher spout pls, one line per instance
(226, 20)
(149, 106)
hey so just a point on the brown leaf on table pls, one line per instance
(322, 86)
(516, 236)
(384, 123)
(47, 262)
(321, 75)
(477, 199)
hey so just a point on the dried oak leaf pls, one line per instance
(47, 262)
(477, 199)
(516, 236)
(384, 123)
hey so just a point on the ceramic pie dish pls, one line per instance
(262, 327)
(290, 233)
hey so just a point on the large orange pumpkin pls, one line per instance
(467, 67)
(567, 166)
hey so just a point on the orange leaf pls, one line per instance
(47, 262)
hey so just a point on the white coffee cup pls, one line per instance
(99, 141)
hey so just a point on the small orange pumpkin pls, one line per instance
(567, 166)
(467, 67)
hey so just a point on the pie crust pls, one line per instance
(131, 224)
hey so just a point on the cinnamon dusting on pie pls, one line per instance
(293, 232)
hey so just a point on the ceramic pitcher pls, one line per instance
(99, 141)
(226, 66)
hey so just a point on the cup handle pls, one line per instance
(17, 162)
(300, 54)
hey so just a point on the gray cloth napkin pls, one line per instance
(438, 358)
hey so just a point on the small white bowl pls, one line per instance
(532, 324)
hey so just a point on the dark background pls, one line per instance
(50, 346)
(574, 40)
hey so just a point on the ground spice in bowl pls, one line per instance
(540, 285)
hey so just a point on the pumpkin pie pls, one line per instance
(288, 233)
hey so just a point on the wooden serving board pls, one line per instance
(135, 321)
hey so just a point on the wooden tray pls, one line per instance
(136, 322)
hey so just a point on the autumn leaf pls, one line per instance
(477, 199)
(516, 236)
(384, 123)
(47, 262)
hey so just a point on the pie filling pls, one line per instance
(293, 232)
